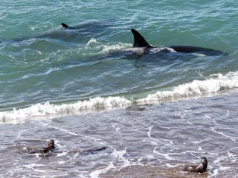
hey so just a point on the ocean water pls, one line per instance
(155, 112)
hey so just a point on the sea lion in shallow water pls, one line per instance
(51, 146)
(201, 168)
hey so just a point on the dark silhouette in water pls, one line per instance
(201, 168)
(92, 150)
(83, 31)
(50, 147)
(64, 25)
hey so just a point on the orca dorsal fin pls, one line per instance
(139, 40)
(64, 25)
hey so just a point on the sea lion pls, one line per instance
(200, 168)
(51, 146)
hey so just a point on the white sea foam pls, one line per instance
(120, 156)
(53, 110)
(96, 173)
(224, 135)
(118, 46)
(163, 154)
(105, 48)
(216, 83)
(172, 165)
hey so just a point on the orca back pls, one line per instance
(194, 49)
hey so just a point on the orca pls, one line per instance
(90, 24)
(81, 32)
(140, 42)
(68, 27)
(64, 25)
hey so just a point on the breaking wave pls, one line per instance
(215, 84)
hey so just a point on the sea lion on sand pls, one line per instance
(201, 168)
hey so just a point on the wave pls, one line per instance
(50, 111)
(215, 84)
(98, 48)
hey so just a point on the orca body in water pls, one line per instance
(80, 32)
(141, 43)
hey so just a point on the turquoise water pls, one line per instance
(42, 62)
(48, 72)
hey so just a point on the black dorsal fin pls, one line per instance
(139, 40)
(64, 25)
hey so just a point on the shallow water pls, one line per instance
(142, 141)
